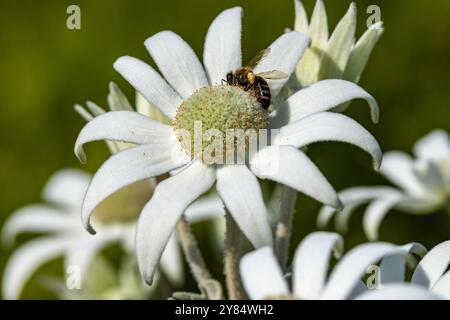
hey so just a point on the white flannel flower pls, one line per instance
(336, 56)
(59, 222)
(423, 186)
(189, 93)
(63, 235)
(262, 276)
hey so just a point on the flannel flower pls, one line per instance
(263, 277)
(423, 186)
(188, 93)
(334, 56)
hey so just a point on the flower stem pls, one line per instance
(284, 227)
(193, 255)
(232, 254)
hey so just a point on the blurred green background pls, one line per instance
(46, 68)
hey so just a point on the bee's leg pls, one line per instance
(224, 81)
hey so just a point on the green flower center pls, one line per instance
(213, 120)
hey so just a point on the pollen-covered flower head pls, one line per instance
(189, 93)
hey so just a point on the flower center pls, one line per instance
(218, 121)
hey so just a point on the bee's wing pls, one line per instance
(273, 74)
(258, 58)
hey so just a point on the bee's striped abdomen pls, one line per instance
(262, 92)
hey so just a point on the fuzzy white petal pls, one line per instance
(399, 292)
(318, 28)
(322, 96)
(222, 52)
(172, 262)
(37, 218)
(81, 252)
(261, 275)
(126, 167)
(311, 263)
(392, 268)
(353, 266)
(67, 187)
(27, 259)
(301, 18)
(159, 217)
(149, 83)
(285, 53)
(376, 211)
(351, 198)
(328, 126)
(432, 266)
(361, 52)
(124, 126)
(241, 193)
(177, 62)
(291, 167)
(434, 146)
(339, 46)
(398, 167)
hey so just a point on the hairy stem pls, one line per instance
(284, 227)
(232, 254)
(192, 252)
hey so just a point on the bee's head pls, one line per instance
(230, 77)
(242, 78)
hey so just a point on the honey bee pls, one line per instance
(246, 79)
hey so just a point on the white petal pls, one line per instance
(351, 198)
(376, 211)
(126, 167)
(67, 187)
(339, 46)
(431, 176)
(318, 28)
(261, 275)
(159, 217)
(26, 260)
(37, 218)
(322, 96)
(124, 126)
(442, 286)
(311, 263)
(172, 262)
(284, 56)
(398, 168)
(328, 126)
(434, 146)
(361, 52)
(399, 292)
(392, 268)
(432, 266)
(83, 112)
(205, 208)
(222, 52)
(291, 167)
(81, 252)
(117, 100)
(149, 83)
(241, 193)
(177, 62)
(353, 266)
(301, 18)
